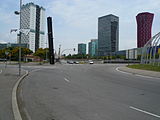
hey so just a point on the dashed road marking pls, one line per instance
(66, 80)
(146, 112)
(0, 71)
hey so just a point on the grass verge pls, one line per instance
(145, 67)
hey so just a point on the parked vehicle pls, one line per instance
(76, 62)
(70, 62)
(91, 62)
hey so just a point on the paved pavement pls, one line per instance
(8, 78)
(89, 92)
(140, 72)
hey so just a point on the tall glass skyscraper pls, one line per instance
(93, 47)
(82, 48)
(144, 28)
(108, 35)
(33, 18)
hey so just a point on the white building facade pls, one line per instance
(33, 18)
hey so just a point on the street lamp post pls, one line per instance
(19, 13)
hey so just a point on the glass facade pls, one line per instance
(93, 47)
(82, 48)
(108, 35)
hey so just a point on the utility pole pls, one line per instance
(19, 13)
(20, 39)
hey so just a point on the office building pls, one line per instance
(82, 48)
(33, 18)
(90, 48)
(93, 47)
(144, 28)
(108, 35)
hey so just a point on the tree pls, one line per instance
(26, 51)
(41, 53)
(14, 52)
(2, 54)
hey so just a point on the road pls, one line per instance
(89, 92)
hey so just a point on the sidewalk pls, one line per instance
(140, 72)
(8, 78)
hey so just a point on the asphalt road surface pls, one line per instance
(89, 92)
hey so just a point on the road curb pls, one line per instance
(135, 73)
(15, 109)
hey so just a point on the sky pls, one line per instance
(76, 21)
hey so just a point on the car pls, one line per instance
(91, 62)
(76, 62)
(70, 62)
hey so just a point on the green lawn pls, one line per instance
(145, 67)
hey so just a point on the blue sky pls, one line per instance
(76, 21)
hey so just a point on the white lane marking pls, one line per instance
(146, 112)
(146, 76)
(66, 80)
(0, 71)
(122, 71)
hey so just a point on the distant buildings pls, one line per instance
(33, 18)
(6, 45)
(144, 28)
(107, 43)
(82, 48)
(108, 35)
(93, 47)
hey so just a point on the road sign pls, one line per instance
(25, 31)
(13, 30)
